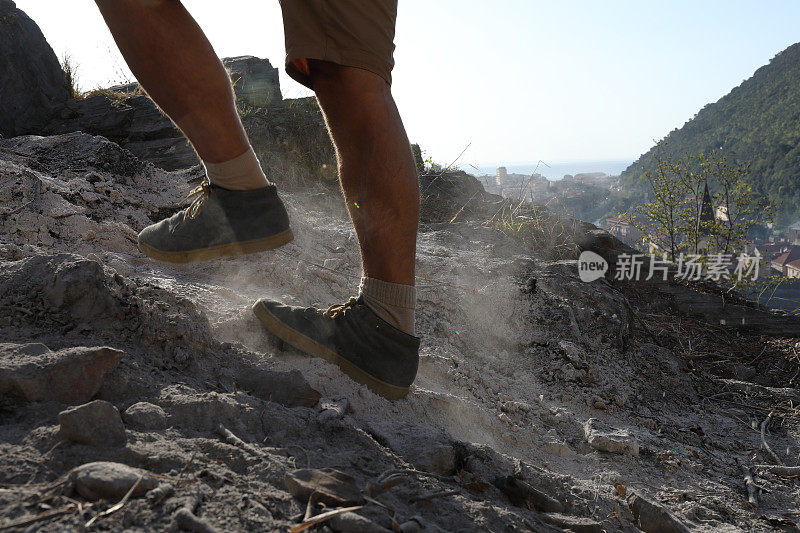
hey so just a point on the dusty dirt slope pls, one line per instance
(542, 403)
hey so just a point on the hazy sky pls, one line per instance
(521, 80)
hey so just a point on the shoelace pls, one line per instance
(197, 197)
(339, 309)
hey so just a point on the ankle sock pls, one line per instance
(238, 174)
(392, 302)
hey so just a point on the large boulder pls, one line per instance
(32, 85)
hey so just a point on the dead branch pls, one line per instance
(780, 469)
(749, 482)
(764, 425)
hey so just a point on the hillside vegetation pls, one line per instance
(757, 123)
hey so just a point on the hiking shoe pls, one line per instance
(219, 223)
(351, 336)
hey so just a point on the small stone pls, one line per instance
(611, 440)
(572, 523)
(332, 409)
(333, 488)
(653, 517)
(70, 376)
(573, 352)
(110, 481)
(144, 415)
(334, 263)
(96, 423)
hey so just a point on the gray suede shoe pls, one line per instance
(350, 336)
(219, 223)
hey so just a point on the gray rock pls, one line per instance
(32, 86)
(70, 376)
(428, 450)
(606, 439)
(653, 517)
(523, 494)
(572, 523)
(110, 481)
(96, 423)
(255, 80)
(144, 415)
(286, 388)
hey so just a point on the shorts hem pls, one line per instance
(363, 59)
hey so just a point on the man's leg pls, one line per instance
(239, 212)
(371, 338)
(172, 59)
(376, 167)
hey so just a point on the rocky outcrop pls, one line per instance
(454, 194)
(127, 116)
(32, 84)
(255, 81)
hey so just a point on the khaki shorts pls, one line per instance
(354, 33)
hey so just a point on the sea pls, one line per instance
(554, 170)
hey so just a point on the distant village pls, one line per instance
(542, 190)
(779, 251)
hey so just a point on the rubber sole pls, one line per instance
(234, 249)
(312, 347)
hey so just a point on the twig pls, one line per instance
(233, 440)
(311, 506)
(437, 494)
(44, 516)
(322, 518)
(119, 506)
(764, 439)
(752, 496)
(781, 470)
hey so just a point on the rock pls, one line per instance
(110, 481)
(522, 494)
(286, 388)
(445, 195)
(32, 86)
(255, 80)
(355, 523)
(607, 439)
(96, 423)
(332, 409)
(334, 488)
(653, 517)
(572, 523)
(428, 450)
(72, 375)
(145, 415)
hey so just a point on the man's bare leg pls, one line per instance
(172, 59)
(376, 167)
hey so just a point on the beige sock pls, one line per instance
(238, 174)
(392, 302)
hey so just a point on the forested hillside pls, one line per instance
(758, 123)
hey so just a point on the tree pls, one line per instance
(676, 218)
(662, 219)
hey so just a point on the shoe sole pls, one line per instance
(312, 347)
(234, 249)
